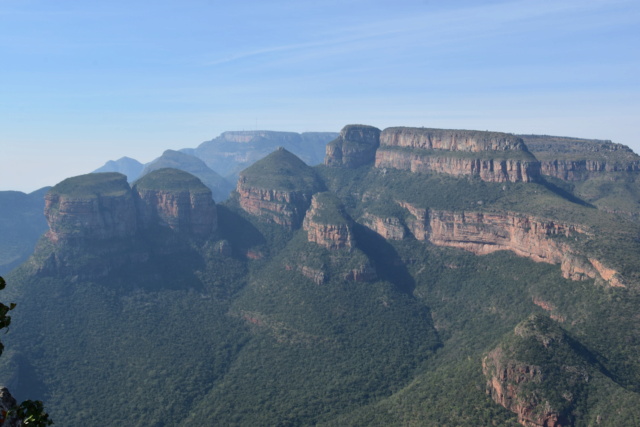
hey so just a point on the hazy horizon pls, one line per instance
(87, 83)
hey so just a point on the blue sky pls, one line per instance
(83, 82)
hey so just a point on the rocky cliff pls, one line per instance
(356, 146)
(97, 223)
(576, 159)
(175, 199)
(327, 224)
(491, 156)
(483, 233)
(94, 206)
(278, 188)
(539, 373)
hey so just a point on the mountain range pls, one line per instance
(417, 277)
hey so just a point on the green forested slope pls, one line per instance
(194, 335)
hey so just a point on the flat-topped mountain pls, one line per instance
(491, 156)
(576, 159)
(234, 151)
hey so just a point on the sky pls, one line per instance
(84, 82)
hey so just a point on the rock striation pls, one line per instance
(576, 159)
(327, 224)
(175, 199)
(94, 206)
(484, 232)
(355, 146)
(278, 188)
(490, 156)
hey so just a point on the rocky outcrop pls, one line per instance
(483, 233)
(185, 206)
(538, 373)
(285, 208)
(278, 188)
(491, 156)
(491, 170)
(581, 170)
(94, 206)
(388, 227)
(356, 146)
(576, 159)
(326, 223)
(450, 140)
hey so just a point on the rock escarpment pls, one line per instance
(175, 199)
(278, 188)
(94, 206)
(491, 156)
(356, 146)
(576, 159)
(327, 224)
(539, 373)
(97, 223)
(483, 233)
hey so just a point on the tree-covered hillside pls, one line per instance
(451, 301)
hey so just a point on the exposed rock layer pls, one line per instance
(286, 208)
(75, 210)
(484, 233)
(356, 146)
(326, 224)
(278, 188)
(491, 156)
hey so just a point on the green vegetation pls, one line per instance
(282, 170)
(260, 327)
(550, 148)
(329, 209)
(169, 179)
(92, 185)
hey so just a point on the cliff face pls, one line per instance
(576, 159)
(581, 170)
(326, 224)
(492, 170)
(278, 188)
(186, 207)
(491, 156)
(539, 373)
(504, 385)
(450, 140)
(285, 208)
(96, 206)
(484, 233)
(356, 146)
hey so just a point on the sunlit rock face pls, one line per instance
(94, 206)
(491, 156)
(278, 189)
(326, 224)
(185, 206)
(356, 146)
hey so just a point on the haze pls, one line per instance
(85, 82)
